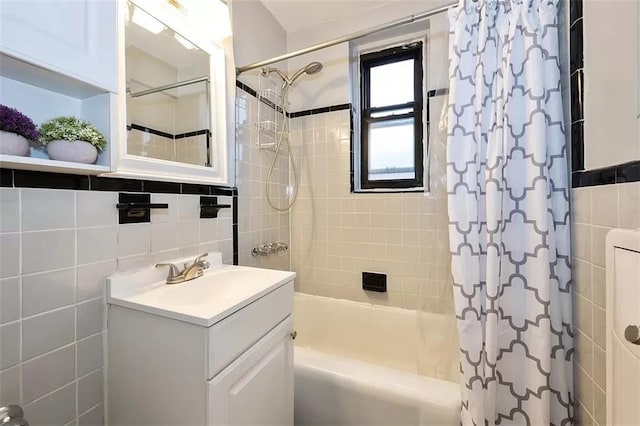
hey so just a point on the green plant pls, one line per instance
(71, 129)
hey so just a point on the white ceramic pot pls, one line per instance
(74, 151)
(13, 144)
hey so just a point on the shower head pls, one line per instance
(311, 68)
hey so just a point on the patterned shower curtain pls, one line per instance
(508, 195)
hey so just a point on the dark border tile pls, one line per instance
(576, 54)
(577, 146)
(141, 128)
(322, 110)
(221, 190)
(33, 179)
(235, 226)
(195, 189)
(116, 185)
(577, 95)
(161, 187)
(249, 90)
(6, 178)
(628, 172)
(575, 10)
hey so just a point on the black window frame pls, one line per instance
(370, 60)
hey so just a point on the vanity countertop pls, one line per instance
(221, 291)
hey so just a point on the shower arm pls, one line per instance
(353, 36)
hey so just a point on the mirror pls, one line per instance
(168, 98)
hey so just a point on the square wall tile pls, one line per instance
(629, 209)
(90, 354)
(91, 280)
(9, 300)
(90, 317)
(57, 408)
(134, 239)
(46, 291)
(164, 236)
(44, 209)
(604, 205)
(9, 255)
(97, 244)
(46, 373)
(46, 332)
(96, 208)
(164, 215)
(9, 345)
(90, 390)
(10, 386)
(9, 210)
(47, 250)
(93, 417)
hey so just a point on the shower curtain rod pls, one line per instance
(168, 86)
(353, 36)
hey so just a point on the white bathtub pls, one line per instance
(357, 364)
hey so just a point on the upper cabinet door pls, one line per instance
(73, 37)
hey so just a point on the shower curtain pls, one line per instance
(508, 196)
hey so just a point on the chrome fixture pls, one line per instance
(190, 272)
(267, 249)
(12, 415)
(310, 69)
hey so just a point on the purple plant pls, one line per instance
(12, 120)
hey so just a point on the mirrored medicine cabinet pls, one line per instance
(172, 96)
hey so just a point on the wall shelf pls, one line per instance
(43, 94)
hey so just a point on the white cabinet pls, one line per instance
(167, 371)
(76, 38)
(257, 389)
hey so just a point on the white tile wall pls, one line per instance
(56, 249)
(336, 234)
(596, 210)
(258, 222)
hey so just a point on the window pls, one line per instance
(391, 118)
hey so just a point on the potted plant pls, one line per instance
(16, 130)
(72, 139)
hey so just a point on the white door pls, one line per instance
(73, 37)
(257, 388)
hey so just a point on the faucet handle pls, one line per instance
(173, 269)
(205, 264)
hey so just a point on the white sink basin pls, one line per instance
(222, 290)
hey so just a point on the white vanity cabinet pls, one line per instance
(167, 365)
(76, 38)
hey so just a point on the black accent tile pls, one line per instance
(438, 92)
(628, 172)
(605, 176)
(116, 185)
(161, 187)
(33, 179)
(6, 178)
(135, 126)
(193, 188)
(322, 110)
(235, 226)
(209, 207)
(576, 51)
(577, 95)
(249, 90)
(191, 134)
(221, 190)
(575, 10)
(372, 281)
(577, 146)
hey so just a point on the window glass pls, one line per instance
(392, 84)
(391, 150)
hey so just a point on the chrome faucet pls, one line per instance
(190, 272)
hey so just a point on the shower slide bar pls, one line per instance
(168, 87)
(353, 36)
